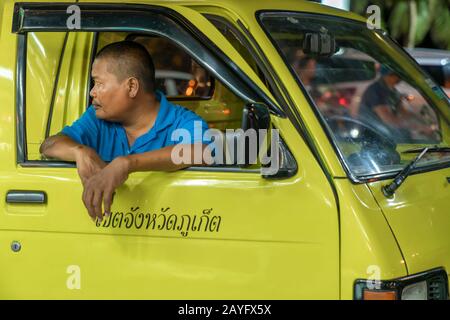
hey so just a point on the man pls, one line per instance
(127, 128)
(382, 107)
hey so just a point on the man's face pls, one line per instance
(392, 80)
(109, 96)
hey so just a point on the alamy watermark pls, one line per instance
(73, 281)
(233, 147)
(374, 280)
(374, 17)
(73, 22)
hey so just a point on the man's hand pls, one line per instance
(88, 162)
(101, 186)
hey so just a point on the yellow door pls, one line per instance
(376, 233)
(197, 233)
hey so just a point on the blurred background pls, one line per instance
(412, 23)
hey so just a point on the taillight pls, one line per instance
(429, 285)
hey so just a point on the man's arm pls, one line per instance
(64, 148)
(166, 159)
(60, 147)
(404, 119)
(387, 116)
(100, 188)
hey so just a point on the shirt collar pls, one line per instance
(166, 114)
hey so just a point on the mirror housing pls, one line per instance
(257, 143)
(255, 116)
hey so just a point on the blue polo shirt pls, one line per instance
(110, 140)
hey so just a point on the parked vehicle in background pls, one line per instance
(436, 63)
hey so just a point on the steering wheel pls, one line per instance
(375, 146)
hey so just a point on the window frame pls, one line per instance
(45, 17)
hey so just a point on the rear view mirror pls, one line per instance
(319, 44)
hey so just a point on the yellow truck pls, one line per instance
(358, 208)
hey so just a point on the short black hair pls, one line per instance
(131, 59)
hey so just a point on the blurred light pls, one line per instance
(343, 102)
(189, 91)
(327, 94)
(354, 133)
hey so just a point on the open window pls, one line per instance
(184, 81)
(194, 74)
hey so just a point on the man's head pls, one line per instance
(389, 76)
(123, 75)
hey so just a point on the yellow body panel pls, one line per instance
(302, 237)
(419, 214)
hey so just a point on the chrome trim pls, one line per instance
(21, 196)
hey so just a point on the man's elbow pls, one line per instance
(44, 147)
(47, 145)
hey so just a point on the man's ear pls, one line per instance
(133, 87)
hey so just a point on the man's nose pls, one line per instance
(92, 93)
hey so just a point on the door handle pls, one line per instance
(21, 196)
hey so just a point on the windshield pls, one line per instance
(365, 89)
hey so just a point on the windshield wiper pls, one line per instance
(389, 190)
(430, 149)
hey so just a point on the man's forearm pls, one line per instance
(60, 147)
(386, 115)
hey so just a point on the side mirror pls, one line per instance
(257, 143)
(257, 132)
(256, 116)
(277, 161)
